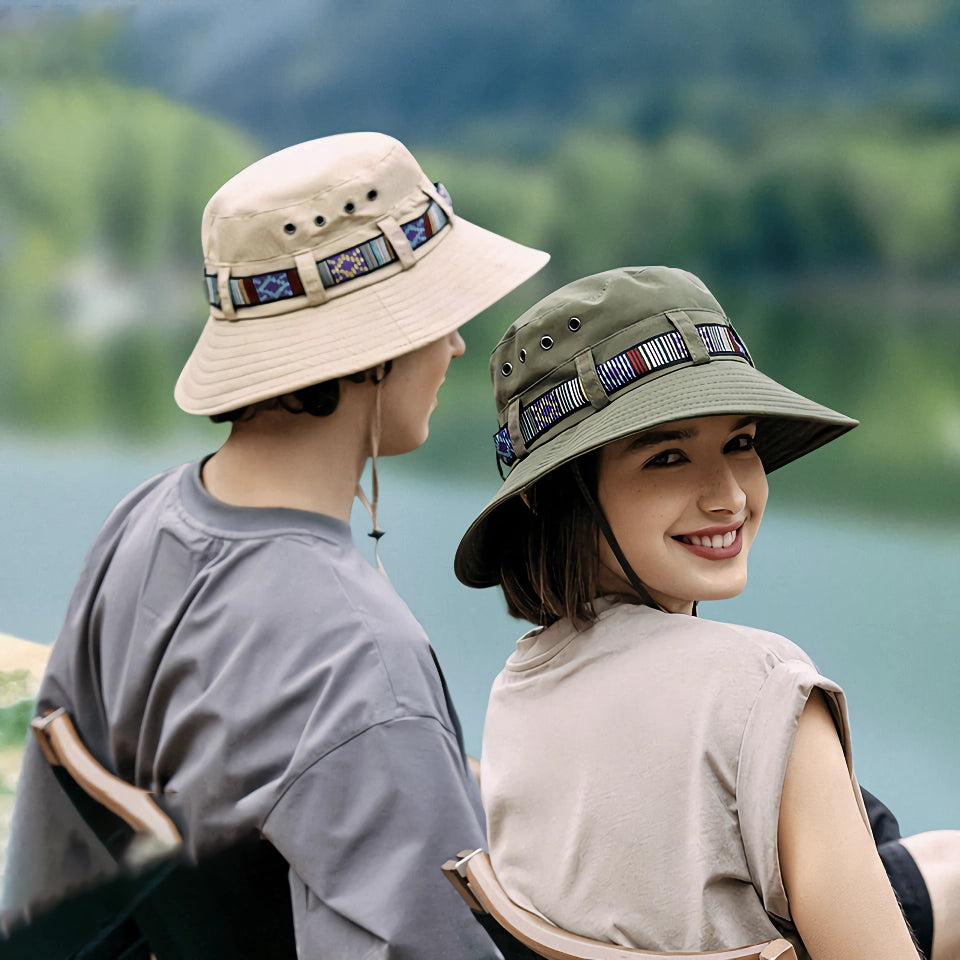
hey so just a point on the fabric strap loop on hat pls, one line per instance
(687, 329)
(398, 241)
(590, 381)
(223, 293)
(310, 278)
(513, 428)
(437, 192)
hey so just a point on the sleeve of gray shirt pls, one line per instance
(365, 830)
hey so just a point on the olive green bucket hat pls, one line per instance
(609, 356)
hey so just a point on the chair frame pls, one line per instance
(473, 876)
(157, 835)
(233, 901)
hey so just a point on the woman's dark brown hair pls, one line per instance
(550, 564)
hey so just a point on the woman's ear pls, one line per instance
(528, 500)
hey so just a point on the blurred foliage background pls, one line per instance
(802, 156)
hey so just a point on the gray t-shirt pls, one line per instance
(252, 669)
(632, 775)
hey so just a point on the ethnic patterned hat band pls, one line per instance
(527, 420)
(348, 264)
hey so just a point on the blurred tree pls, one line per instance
(103, 257)
(808, 222)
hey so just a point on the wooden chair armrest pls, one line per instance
(473, 876)
(62, 746)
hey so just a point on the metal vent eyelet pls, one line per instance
(319, 219)
(371, 194)
(289, 228)
(523, 356)
(574, 324)
(506, 369)
(349, 207)
(546, 342)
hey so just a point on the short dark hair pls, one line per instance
(318, 400)
(550, 563)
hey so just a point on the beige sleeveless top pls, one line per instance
(632, 775)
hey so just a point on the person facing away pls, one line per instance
(227, 647)
(651, 778)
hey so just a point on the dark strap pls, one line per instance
(902, 871)
(604, 526)
(93, 924)
(507, 944)
(234, 903)
(607, 532)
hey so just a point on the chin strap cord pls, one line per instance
(607, 532)
(378, 375)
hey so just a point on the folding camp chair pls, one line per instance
(233, 904)
(475, 880)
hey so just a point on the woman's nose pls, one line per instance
(721, 491)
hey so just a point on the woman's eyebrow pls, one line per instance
(651, 438)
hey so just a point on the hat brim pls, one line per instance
(240, 362)
(792, 426)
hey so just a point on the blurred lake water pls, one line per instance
(872, 602)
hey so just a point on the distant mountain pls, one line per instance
(522, 71)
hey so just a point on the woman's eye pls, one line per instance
(665, 459)
(744, 441)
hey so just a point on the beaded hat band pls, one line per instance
(612, 355)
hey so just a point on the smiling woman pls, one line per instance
(686, 503)
(650, 777)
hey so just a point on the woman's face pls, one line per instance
(410, 393)
(684, 501)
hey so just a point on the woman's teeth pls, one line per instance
(716, 541)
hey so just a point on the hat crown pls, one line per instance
(583, 315)
(324, 194)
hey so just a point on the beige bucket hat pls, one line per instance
(330, 257)
(608, 356)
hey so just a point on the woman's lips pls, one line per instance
(715, 546)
